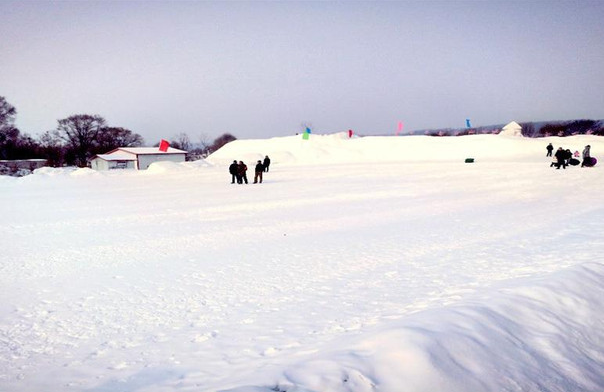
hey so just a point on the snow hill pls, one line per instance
(338, 148)
(364, 264)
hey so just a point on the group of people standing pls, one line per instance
(239, 171)
(566, 157)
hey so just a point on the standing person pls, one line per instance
(241, 170)
(233, 170)
(586, 156)
(549, 148)
(258, 172)
(267, 163)
(560, 158)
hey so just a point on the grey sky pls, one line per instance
(261, 69)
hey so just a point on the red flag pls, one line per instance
(163, 145)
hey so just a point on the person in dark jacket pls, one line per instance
(586, 156)
(241, 171)
(258, 172)
(560, 156)
(567, 157)
(233, 170)
(267, 163)
(550, 149)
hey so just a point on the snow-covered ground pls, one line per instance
(376, 263)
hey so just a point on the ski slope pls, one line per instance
(363, 264)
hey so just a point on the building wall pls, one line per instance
(101, 164)
(145, 160)
(121, 164)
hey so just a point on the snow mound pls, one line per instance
(166, 166)
(84, 172)
(54, 171)
(338, 148)
(201, 163)
(519, 337)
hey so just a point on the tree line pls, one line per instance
(80, 137)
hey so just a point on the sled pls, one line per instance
(573, 162)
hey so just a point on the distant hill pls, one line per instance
(529, 129)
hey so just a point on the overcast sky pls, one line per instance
(262, 69)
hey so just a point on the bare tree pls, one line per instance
(181, 141)
(51, 148)
(110, 138)
(7, 114)
(221, 141)
(10, 136)
(204, 142)
(80, 132)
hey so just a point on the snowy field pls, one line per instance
(369, 264)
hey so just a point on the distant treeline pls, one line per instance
(529, 129)
(80, 137)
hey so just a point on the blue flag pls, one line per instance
(468, 123)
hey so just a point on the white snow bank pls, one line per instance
(54, 171)
(517, 339)
(84, 171)
(326, 149)
(168, 166)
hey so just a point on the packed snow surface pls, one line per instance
(363, 264)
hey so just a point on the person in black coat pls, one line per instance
(550, 149)
(258, 172)
(241, 173)
(567, 156)
(560, 156)
(267, 163)
(233, 170)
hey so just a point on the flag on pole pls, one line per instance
(400, 128)
(468, 123)
(163, 145)
(306, 134)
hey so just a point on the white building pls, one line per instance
(135, 158)
(512, 129)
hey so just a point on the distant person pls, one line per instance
(550, 149)
(241, 171)
(560, 156)
(267, 163)
(233, 170)
(586, 156)
(258, 172)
